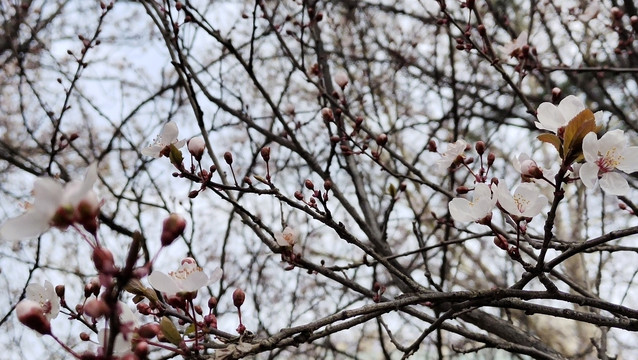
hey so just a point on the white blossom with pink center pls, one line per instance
(188, 278)
(526, 201)
(481, 205)
(603, 157)
(167, 137)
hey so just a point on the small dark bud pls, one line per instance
(298, 195)
(238, 297)
(382, 139)
(173, 227)
(193, 194)
(248, 181)
(327, 185)
(141, 349)
(212, 302)
(309, 185)
(228, 157)
(85, 336)
(265, 154)
(480, 147)
(481, 30)
(556, 94)
(462, 190)
(432, 146)
(179, 6)
(490, 159)
(59, 291)
(103, 260)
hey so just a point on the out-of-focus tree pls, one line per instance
(342, 179)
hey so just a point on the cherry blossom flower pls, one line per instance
(481, 205)
(552, 117)
(515, 47)
(288, 238)
(605, 155)
(128, 324)
(54, 205)
(167, 137)
(526, 201)
(188, 278)
(453, 151)
(196, 147)
(46, 297)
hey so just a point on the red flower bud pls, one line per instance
(480, 147)
(103, 260)
(228, 157)
(265, 154)
(96, 308)
(238, 297)
(309, 185)
(174, 226)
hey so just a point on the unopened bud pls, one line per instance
(149, 331)
(96, 308)
(228, 157)
(298, 195)
(85, 336)
(327, 185)
(179, 5)
(30, 314)
(141, 349)
(617, 13)
(309, 185)
(432, 146)
(490, 159)
(238, 297)
(59, 291)
(174, 226)
(196, 147)
(341, 78)
(556, 94)
(462, 190)
(501, 242)
(103, 260)
(480, 147)
(211, 321)
(265, 153)
(212, 303)
(327, 115)
(382, 139)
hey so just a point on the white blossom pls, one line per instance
(552, 117)
(526, 201)
(605, 155)
(481, 205)
(128, 324)
(453, 151)
(167, 137)
(51, 200)
(514, 48)
(188, 278)
(46, 297)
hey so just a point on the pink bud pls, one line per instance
(327, 115)
(341, 78)
(103, 260)
(96, 308)
(30, 314)
(238, 297)
(196, 147)
(174, 226)
(228, 157)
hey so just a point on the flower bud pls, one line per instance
(265, 153)
(96, 308)
(382, 139)
(238, 297)
(59, 291)
(490, 159)
(327, 115)
(228, 157)
(196, 147)
(341, 78)
(309, 185)
(30, 314)
(211, 321)
(103, 260)
(480, 147)
(501, 242)
(85, 336)
(298, 195)
(174, 226)
(212, 303)
(327, 185)
(462, 190)
(556, 94)
(149, 331)
(141, 349)
(432, 146)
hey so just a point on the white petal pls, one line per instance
(549, 117)
(53, 299)
(169, 133)
(614, 184)
(570, 107)
(179, 144)
(612, 141)
(589, 174)
(590, 147)
(527, 191)
(505, 199)
(194, 281)
(535, 207)
(629, 161)
(48, 195)
(35, 292)
(215, 276)
(460, 210)
(28, 225)
(153, 150)
(163, 283)
(76, 191)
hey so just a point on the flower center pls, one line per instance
(521, 202)
(609, 161)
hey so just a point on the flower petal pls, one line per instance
(215, 276)
(614, 184)
(570, 106)
(169, 133)
(589, 174)
(48, 195)
(28, 225)
(163, 283)
(195, 281)
(549, 117)
(590, 147)
(460, 210)
(505, 199)
(613, 141)
(535, 207)
(629, 162)
(152, 150)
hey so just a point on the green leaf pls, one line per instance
(176, 156)
(170, 331)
